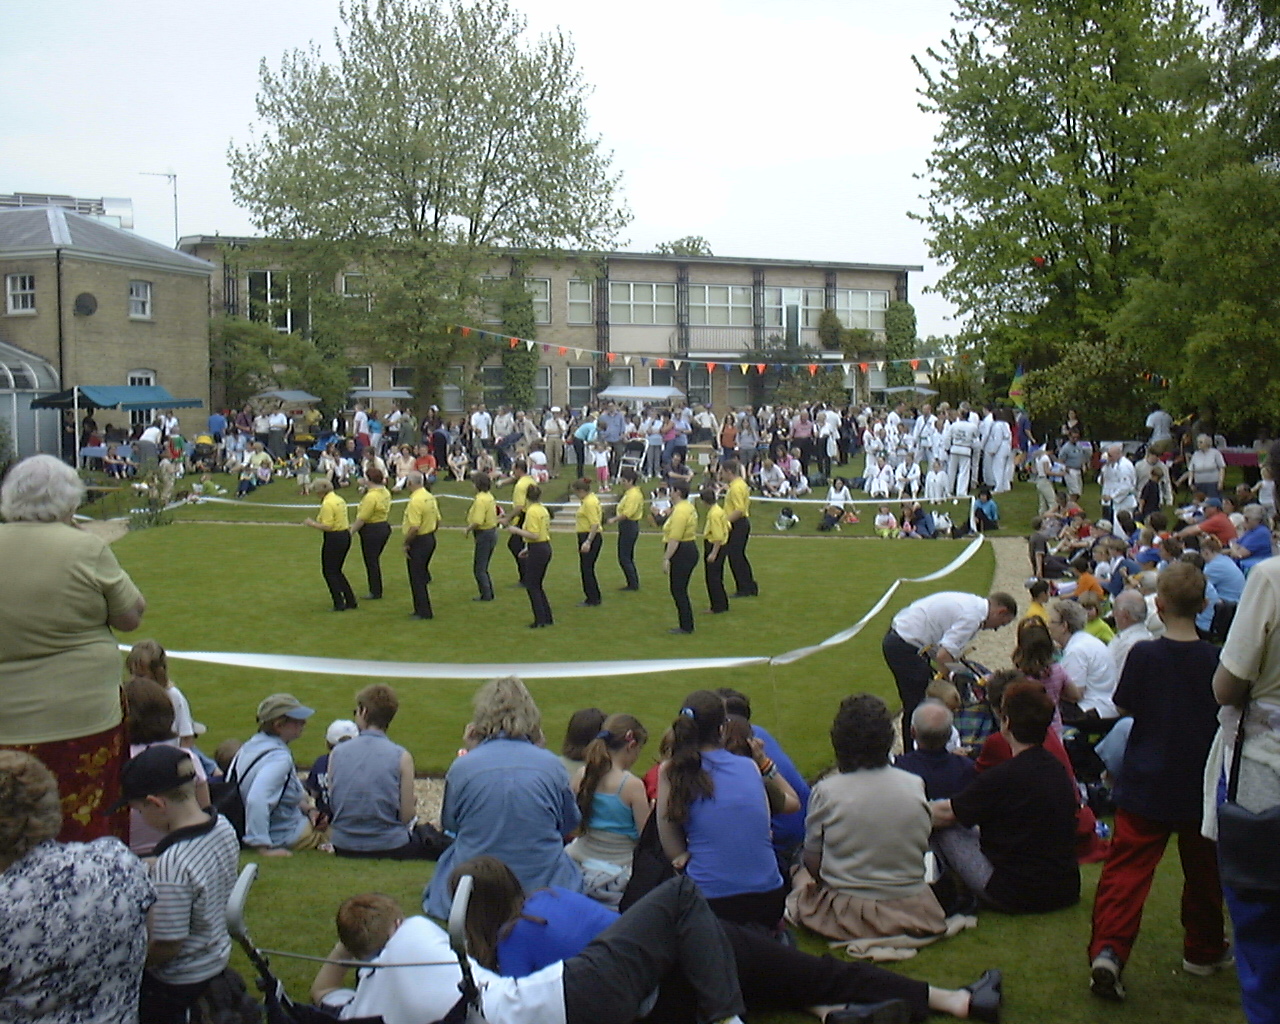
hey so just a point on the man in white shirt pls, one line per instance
(960, 448)
(1119, 483)
(482, 425)
(1085, 660)
(277, 425)
(937, 629)
(1160, 423)
(1041, 469)
(1131, 627)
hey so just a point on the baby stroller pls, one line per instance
(280, 1009)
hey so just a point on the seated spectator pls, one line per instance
(773, 481)
(1215, 522)
(1119, 567)
(1087, 581)
(195, 868)
(1086, 663)
(116, 465)
(916, 522)
(404, 462)
(660, 505)
(678, 471)
(584, 725)
(881, 480)
(1033, 656)
(1039, 590)
(371, 788)
(907, 477)
(1255, 543)
(1131, 627)
(986, 513)
(317, 782)
(886, 523)
(1023, 860)
(1044, 564)
(508, 797)
(459, 462)
(72, 915)
(278, 814)
(517, 936)
(793, 466)
(1095, 624)
(945, 774)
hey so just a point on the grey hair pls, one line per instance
(931, 724)
(414, 479)
(506, 706)
(40, 489)
(1148, 580)
(1255, 512)
(1132, 604)
(1072, 615)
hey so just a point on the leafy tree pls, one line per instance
(800, 387)
(519, 363)
(900, 343)
(689, 245)
(439, 136)
(831, 331)
(249, 356)
(1061, 129)
(1109, 385)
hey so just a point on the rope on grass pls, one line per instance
(553, 669)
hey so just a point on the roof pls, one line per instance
(43, 231)
(627, 393)
(21, 370)
(112, 396)
(287, 396)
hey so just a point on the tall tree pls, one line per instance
(1061, 121)
(438, 136)
(900, 344)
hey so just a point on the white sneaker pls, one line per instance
(1209, 970)
(1104, 976)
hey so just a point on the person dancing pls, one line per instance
(374, 530)
(482, 523)
(681, 555)
(332, 521)
(535, 535)
(519, 499)
(737, 507)
(587, 524)
(715, 535)
(629, 512)
(421, 520)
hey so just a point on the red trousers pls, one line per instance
(1136, 848)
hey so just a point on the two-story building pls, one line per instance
(613, 318)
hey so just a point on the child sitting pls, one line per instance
(886, 525)
(248, 481)
(986, 513)
(660, 504)
(116, 465)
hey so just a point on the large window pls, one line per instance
(861, 309)
(20, 293)
(720, 305)
(660, 377)
(140, 300)
(542, 388)
(361, 377)
(403, 376)
(451, 390)
(493, 386)
(277, 299)
(637, 302)
(141, 379)
(581, 381)
(699, 384)
(355, 291)
(620, 377)
(539, 289)
(580, 308)
(810, 301)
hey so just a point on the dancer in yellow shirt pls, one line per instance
(681, 554)
(715, 535)
(374, 530)
(629, 512)
(332, 521)
(421, 521)
(536, 531)
(519, 498)
(737, 508)
(482, 524)
(587, 523)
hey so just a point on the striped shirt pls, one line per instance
(194, 873)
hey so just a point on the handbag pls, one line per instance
(1247, 842)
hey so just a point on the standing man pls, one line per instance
(277, 427)
(935, 630)
(331, 520)
(360, 427)
(737, 508)
(715, 535)
(614, 427)
(1072, 455)
(553, 429)
(680, 554)
(1119, 483)
(628, 514)
(482, 522)
(1041, 472)
(519, 490)
(961, 445)
(481, 427)
(217, 425)
(421, 520)
(587, 523)
(374, 530)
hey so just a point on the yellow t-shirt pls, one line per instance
(682, 524)
(588, 514)
(738, 499)
(375, 506)
(537, 520)
(716, 530)
(483, 513)
(333, 513)
(519, 490)
(423, 512)
(631, 504)
(1035, 610)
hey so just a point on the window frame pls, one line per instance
(588, 302)
(493, 394)
(699, 392)
(452, 391)
(140, 304)
(391, 376)
(541, 301)
(141, 378)
(874, 314)
(737, 314)
(571, 388)
(352, 384)
(631, 304)
(542, 387)
(12, 293)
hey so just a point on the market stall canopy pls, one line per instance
(627, 393)
(288, 397)
(910, 389)
(110, 396)
(404, 394)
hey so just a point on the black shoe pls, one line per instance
(629, 587)
(339, 608)
(535, 625)
(677, 629)
(352, 606)
(372, 597)
(415, 615)
(588, 604)
(891, 1011)
(744, 594)
(986, 996)
(482, 599)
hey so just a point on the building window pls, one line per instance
(277, 299)
(810, 301)
(140, 300)
(542, 388)
(737, 388)
(699, 384)
(355, 291)
(581, 382)
(361, 377)
(539, 289)
(20, 293)
(861, 309)
(403, 376)
(493, 386)
(141, 379)
(620, 377)
(637, 302)
(451, 390)
(581, 310)
(719, 305)
(660, 377)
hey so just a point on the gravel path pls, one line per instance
(994, 648)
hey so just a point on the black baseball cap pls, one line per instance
(157, 769)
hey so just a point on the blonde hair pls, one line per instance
(149, 661)
(505, 706)
(30, 808)
(367, 922)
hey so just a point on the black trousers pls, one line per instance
(715, 578)
(333, 552)
(515, 544)
(743, 578)
(671, 929)
(535, 572)
(683, 562)
(912, 673)
(161, 1002)
(486, 541)
(579, 455)
(421, 548)
(587, 567)
(373, 538)
(628, 531)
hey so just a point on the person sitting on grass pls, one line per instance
(1095, 624)
(517, 936)
(660, 505)
(886, 524)
(986, 513)
(1040, 590)
(772, 482)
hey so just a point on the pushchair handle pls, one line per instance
(237, 928)
(458, 916)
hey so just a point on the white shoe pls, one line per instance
(1227, 959)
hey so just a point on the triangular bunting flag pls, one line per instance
(863, 367)
(744, 367)
(627, 360)
(678, 363)
(845, 367)
(711, 367)
(662, 364)
(611, 356)
(466, 332)
(528, 346)
(546, 349)
(813, 369)
(513, 342)
(644, 361)
(762, 367)
(915, 364)
(561, 350)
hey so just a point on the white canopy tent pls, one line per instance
(643, 395)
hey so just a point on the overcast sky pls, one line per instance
(774, 129)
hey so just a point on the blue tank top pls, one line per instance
(610, 814)
(730, 851)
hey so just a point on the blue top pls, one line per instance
(1227, 577)
(1204, 621)
(615, 424)
(364, 794)
(1114, 585)
(945, 774)
(610, 814)
(217, 423)
(788, 829)
(727, 834)
(510, 800)
(271, 792)
(988, 508)
(1258, 543)
(586, 432)
(571, 922)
